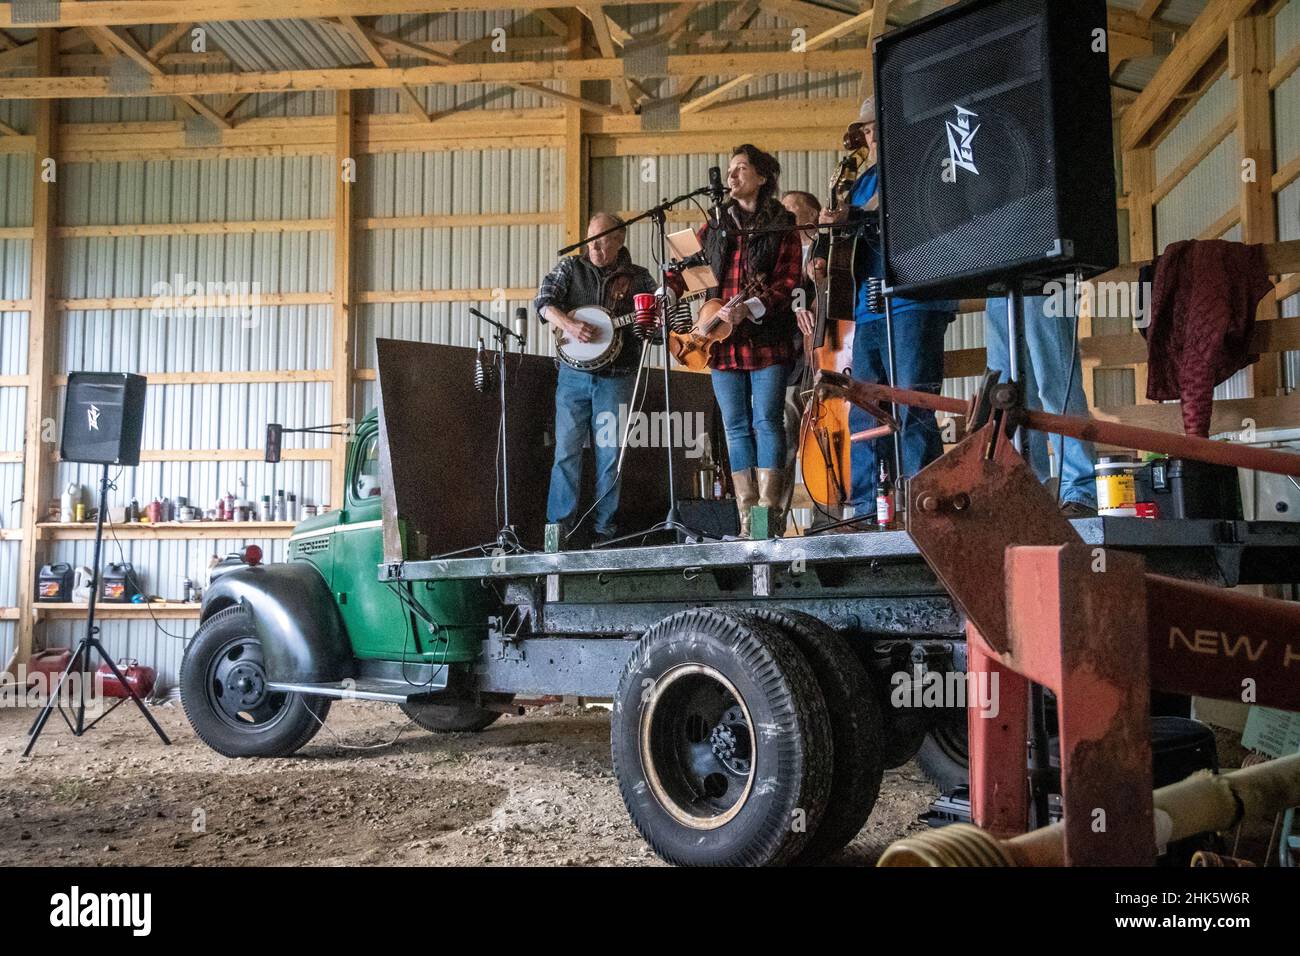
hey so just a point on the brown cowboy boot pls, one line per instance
(771, 488)
(746, 496)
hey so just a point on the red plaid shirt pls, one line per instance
(752, 345)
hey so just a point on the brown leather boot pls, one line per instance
(746, 496)
(771, 488)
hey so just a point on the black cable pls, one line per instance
(121, 553)
(1069, 384)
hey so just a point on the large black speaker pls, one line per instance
(996, 148)
(103, 416)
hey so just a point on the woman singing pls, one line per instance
(750, 367)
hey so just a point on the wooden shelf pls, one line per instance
(168, 609)
(169, 529)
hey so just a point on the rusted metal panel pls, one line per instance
(1073, 615)
(1224, 644)
(965, 510)
(999, 790)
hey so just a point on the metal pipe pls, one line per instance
(1234, 455)
(1203, 803)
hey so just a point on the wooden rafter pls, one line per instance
(360, 37)
(127, 46)
(721, 64)
(140, 12)
(842, 29)
(1202, 41)
(168, 40)
(600, 27)
(740, 16)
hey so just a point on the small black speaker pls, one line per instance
(996, 148)
(103, 416)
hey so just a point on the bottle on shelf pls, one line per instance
(281, 506)
(68, 501)
(885, 510)
(264, 511)
(133, 511)
(230, 506)
(291, 507)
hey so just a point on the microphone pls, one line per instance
(521, 327)
(484, 371)
(715, 185)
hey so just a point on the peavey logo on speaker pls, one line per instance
(92, 417)
(960, 137)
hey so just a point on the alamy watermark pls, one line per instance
(32, 689)
(653, 430)
(190, 299)
(1099, 300)
(945, 690)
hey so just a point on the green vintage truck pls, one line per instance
(759, 688)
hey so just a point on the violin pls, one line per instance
(692, 348)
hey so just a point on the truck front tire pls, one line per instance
(721, 741)
(224, 693)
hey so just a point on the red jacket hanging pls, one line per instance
(1202, 316)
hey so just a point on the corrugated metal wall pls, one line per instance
(15, 283)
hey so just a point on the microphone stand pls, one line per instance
(507, 539)
(671, 521)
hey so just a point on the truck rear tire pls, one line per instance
(450, 718)
(856, 729)
(721, 741)
(944, 757)
(224, 693)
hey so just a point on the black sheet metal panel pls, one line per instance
(438, 439)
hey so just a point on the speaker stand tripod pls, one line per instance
(81, 655)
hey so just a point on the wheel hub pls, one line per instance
(696, 746)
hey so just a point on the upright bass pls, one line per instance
(824, 442)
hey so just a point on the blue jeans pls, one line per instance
(1052, 345)
(918, 360)
(584, 401)
(753, 415)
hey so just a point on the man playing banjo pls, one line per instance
(605, 276)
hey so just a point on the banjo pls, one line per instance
(604, 346)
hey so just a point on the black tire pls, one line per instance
(463, 715)
(904, 736)
(944, 757)
(701, 788)
(224, 695)
(856, 729)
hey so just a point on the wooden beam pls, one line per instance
(826, 37)
(128, 46)
(1228, 415)
(1118, 351)
(618, 88)
(1194, 158)
(41, 350)
(1194, 51)
(1149, 9)
(879, 24)
(140, 12)
(576, 161)
(168, 40)
(1250, 58)
(341, 341)
(362, 39)
(847, 60)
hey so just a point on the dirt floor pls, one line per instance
(532, 790)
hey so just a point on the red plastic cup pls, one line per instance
(644, 304)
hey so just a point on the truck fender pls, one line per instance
(303, 636)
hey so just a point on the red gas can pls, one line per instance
(140, 679)
(49, 663)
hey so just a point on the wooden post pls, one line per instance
(1139, 175)
(41, 344)
(575, 144)
(342, 357)
(1250, 58)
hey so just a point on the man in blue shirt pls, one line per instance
(919, 329)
